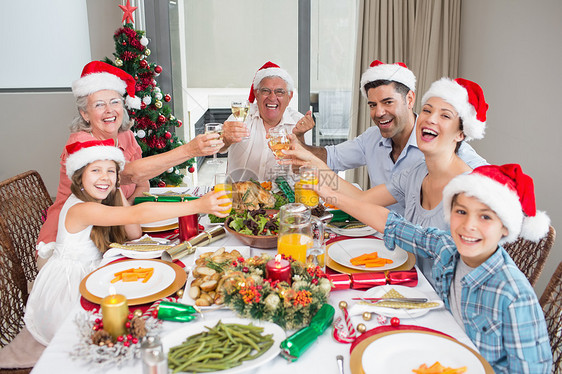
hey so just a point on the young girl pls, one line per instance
(94, 215)
(478, 281)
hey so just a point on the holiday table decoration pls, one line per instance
(278, 269)
(98, 347)
(295, 345)
(114, 310)
(249, 293)
(176, 312)
(361, 281)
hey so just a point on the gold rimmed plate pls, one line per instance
(401, 351)
(166, 280)
(159, 226)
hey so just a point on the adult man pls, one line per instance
(246, 143)
(390, 146)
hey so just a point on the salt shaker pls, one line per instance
(152, 354)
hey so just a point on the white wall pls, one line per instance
(35, 126)
(513, 49)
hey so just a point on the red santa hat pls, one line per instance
(98, 75)
(397, 72)
(269, 69)
(81, 154)
(468, 99)
(509, 193)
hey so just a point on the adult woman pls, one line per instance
(452, 111)
(102, 115)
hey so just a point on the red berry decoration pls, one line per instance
(395, 322)
(127, 325)
(168, 135)
(130, 316)
(129, 337)
(161, 184)
(161, 118)
(191, 169)
(167, 97)
(155, 311)
(98, 320)
(143, 105)
(95, 328)
(180, 123)
(120, 338)
(135, 340)
(126, 344)
(158, 69)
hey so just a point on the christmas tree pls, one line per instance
(154, 122)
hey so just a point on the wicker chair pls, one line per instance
(529, 256)
(551, 302)
(23, 201)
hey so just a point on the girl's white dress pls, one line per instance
(56, 288)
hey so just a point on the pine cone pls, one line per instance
(101, 336)
(138, 328)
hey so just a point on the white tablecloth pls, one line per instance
(319, 358)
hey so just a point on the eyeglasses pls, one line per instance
(101, 106)
(279, 92)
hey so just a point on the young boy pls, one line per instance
(478, 281)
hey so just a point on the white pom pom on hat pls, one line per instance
(270, 69)
(397, 72)
(98, 76)
(509, 193)
(468, 99)
(81, 154)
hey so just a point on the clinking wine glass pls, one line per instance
(279, 141)
(240, 111)
(213, 128)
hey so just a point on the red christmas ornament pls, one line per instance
(123, 43)
(143, 64)
(168, 135)
(158, 69)
(395, 322)
(133, 113)
(191, 169)
(143, 105)
(167, 98)
(161, 184)
(180, 123)
(162, 119)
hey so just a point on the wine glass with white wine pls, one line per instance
(240, 111)
(213, 128)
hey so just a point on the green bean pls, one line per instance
(221, 347)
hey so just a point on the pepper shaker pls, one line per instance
(152, 354)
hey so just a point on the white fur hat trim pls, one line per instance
(389, 72)
(274, 72)
(501, 199)
(456, 95)
(95, 82)
(88, 155)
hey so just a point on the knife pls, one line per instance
(392, 299)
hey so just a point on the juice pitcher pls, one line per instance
(296, 231)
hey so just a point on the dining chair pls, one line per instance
(530, 256)
(551, 303)
(18, 350)
(24, 200)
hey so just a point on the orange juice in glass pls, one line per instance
(295, 245)
(222, 184)
(308, 175)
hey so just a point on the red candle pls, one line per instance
(278, 269)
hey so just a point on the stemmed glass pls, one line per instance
(213, 128)
(279, 141)
(240, 111)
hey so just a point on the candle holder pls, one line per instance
(114, 310)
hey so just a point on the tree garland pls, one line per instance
(291, 306)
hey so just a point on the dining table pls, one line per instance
(320, 357)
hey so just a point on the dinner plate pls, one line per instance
(344, 250)
(394, 312)
(140, 255)
(401, 351)
(177, 337)
(164, 225)
(166, 279)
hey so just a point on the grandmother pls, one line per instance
(102, 115)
